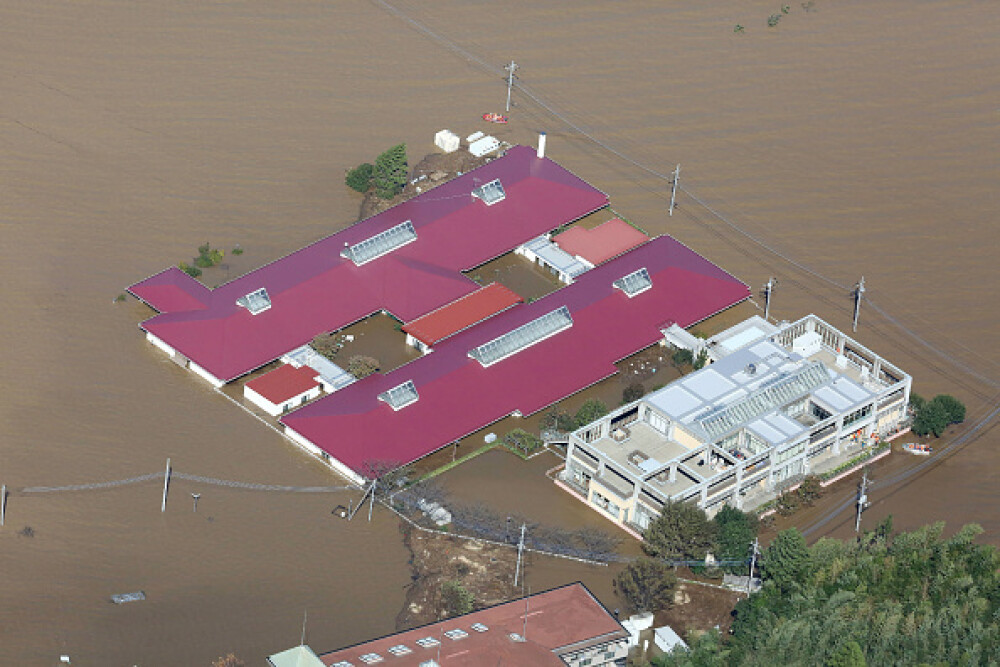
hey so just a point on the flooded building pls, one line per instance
(425, 332)
(563, 626)
(517, 362)
(778, 403)
(571, 253)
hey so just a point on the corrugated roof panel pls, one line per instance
(381, 244)
(522, 337)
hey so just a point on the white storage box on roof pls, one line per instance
(484, 146)
(447, 141)
(807, 344)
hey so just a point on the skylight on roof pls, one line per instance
(491, 193)
(371, 658)
(400, 396)
(427, 642)
(456, 634)
(634, 283)
(523, 337)
(380, 244)
(479, 627)
(400, 649)
(256, 302)
(342, 663)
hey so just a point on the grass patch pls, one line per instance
(460, 460)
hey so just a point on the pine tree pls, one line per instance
(787, 559)
(646, 585)
(391, 172)
(848, 655)
(681, 532)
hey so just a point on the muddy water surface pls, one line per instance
(859, 141)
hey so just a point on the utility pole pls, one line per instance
(511, 68)
(166, 483)
(371, 503)
(859, 291)
(673, 192)
(771, 284)
(195, 497)
(755, 546)
(862, 500)
(520, 550)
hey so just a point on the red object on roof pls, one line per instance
(558, 621)
(458, 396)
(462, 314)
(285, 383)
(601, 243)
(315, 290)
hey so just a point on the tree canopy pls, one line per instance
(734, 531)
(646, 585)
(915, 598)
(935, 415)
(682, 532)
(391, 172)
(591, 410)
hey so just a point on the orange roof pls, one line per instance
(461, 313)
(564, 619)
(601, 243)
(285, 383)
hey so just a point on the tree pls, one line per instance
(633, 392)
(935, 415)
(522, 442)
(590, 411)
(734, 532)
(681, 532)
(786, 560)
(700, 361)
(229, 660)
(848, 655)
(681, 357)
(917, 401)
(360, 178)
(646, 585)
(456, 599)
(810, 490)
(361, 366)
(390, 172)
(953, 408)
(557, 420)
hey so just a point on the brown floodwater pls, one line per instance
(857, 140)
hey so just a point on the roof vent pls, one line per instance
(256, 302)
(490, 193)
(400, 396)
(516, 637)
(380, 244)
(634, 283)
(751, 369)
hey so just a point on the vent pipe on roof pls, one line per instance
(541, 144)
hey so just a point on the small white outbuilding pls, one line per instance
(447, 141)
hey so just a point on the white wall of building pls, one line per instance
(274, 409)
(304, 442)
(160, 344)
(198, 370)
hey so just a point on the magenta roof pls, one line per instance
(315, 290)
(601, 243)
(284, 383)
(461, 314)
(458, 396)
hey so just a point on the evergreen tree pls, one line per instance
(646, 585)
(735, 530)
(848, 655)
(786, 560)
(591, 410)
(681, 532)
(360, 178)
(391, 172)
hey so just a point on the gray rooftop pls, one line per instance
(330, 372)
(556, 256)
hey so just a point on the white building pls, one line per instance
(283, 389)
(786, 402)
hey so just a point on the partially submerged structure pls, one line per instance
(563, 626)
(780, 403)
(493, 356)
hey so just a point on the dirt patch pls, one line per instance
(485, 570)
(698, 608)
(433, 170)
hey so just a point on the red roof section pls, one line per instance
(458, 396)
(557, 621)
(601, 243)
(462, 314)
(285, 383)
(315, 290)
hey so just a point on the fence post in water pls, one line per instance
(673, 191)
(3, 504)
(859, 291)
(166, 483)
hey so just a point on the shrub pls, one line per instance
(360, 178)
(633, 392)
(120, 298)
(229, 660)
(456, 599)
(700, 360)
(361, 366)
(208, 256)
(773, 20)
(237, 251)
(192, 271)
(682, 357)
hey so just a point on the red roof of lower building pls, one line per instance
(457, 395)
(462, 313)
(601, 243)
(558, 621)
(285, 383)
